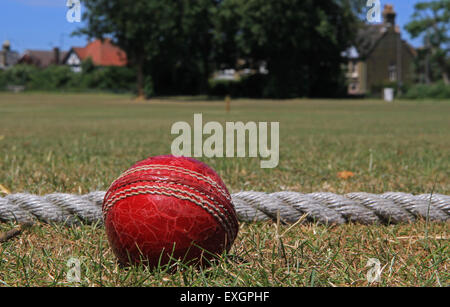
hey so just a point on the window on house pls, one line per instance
(392, 73)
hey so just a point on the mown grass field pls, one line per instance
(81, 143)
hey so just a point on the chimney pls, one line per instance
(56, 59)
(6, 46)
(389, 15)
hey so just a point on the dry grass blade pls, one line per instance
(8, 235)
(4, 190)
(300, 220)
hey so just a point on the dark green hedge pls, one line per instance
(62, 78)
(437, 90)
(423, 91)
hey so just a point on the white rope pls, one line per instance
(322, 208)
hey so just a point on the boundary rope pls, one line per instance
(251, 206)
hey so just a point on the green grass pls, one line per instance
(81, 143)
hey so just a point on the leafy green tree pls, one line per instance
(180, 42)
(300, 40)
(198, 34)
(227, 29)
(188, 62)
(170, 40)
(431, 21)
(140, 28)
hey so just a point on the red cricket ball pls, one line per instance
(169, 207)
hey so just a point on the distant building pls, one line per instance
(42, 58)
(8, 57)
(243, 68)
(102, 53)
(379, 57)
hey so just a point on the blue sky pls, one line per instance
(42, 24)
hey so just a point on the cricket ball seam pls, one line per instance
(127, 183)
(226, 211)
(177, 196)
(221, 217)
(181, 170)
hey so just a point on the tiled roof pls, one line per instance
(369, 35)
(102, 53)
(41, 58)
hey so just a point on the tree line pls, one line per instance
(175, 45)
(431, 22)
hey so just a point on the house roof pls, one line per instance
(102, 53)
(41, 58)
(368, 35)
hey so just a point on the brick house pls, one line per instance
(102, 53)
(379, 57)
